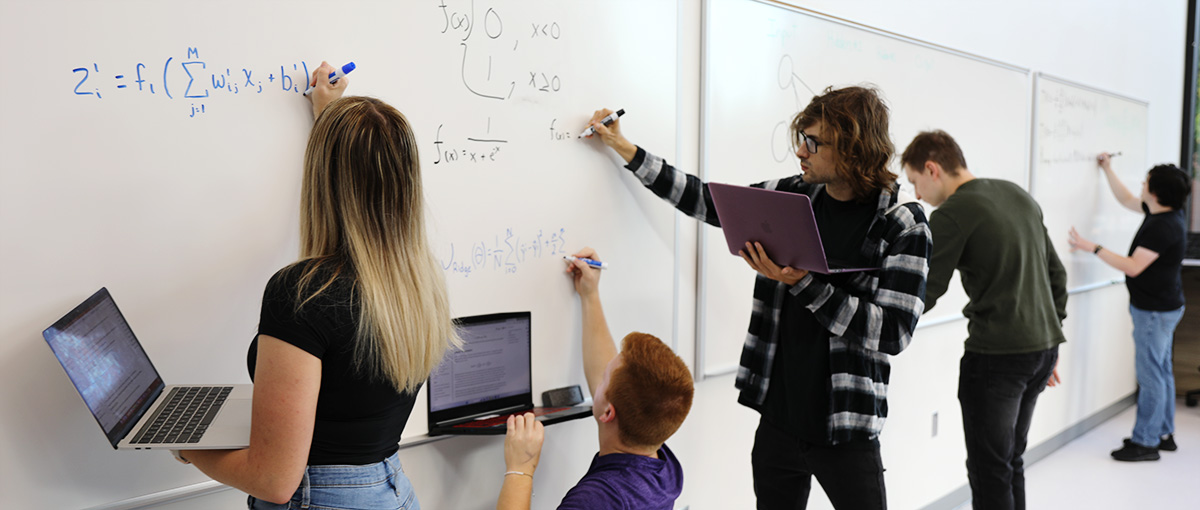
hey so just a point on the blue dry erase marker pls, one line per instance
(336, 75)
(594, 263)
(612, 117)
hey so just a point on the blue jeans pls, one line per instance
(1153, 333)
(372, 486)
(997, 393)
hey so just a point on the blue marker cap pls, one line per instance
(347, 68)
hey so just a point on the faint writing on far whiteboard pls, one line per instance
(505, 253)
(188, 79)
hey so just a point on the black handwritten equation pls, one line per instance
(188, 79)
(497, 48)
(505, 253)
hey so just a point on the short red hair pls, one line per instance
(651, 389)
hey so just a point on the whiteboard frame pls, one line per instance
(1033, 121)
(702, 372)
(1032, 145)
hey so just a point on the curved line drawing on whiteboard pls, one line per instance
(512, 86)
(781, 144)
(487, 26)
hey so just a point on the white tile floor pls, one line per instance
(1081, 474)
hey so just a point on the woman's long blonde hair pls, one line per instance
(362, 204)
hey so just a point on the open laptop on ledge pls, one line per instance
(475, 390)
(782, 222)
(111, 371)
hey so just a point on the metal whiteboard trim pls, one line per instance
(676, 256)
(1082, 289)
(1090, 88)
(724, 370)
(894, 35)
(1032, 133)
(701, 371)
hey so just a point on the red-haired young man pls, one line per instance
(641, 396)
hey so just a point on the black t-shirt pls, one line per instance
(359, 420)
(1160, 287)
(798, 396)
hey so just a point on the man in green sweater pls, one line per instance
(991, 231)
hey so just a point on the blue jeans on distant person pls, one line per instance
(997, 393)
(381, 485)
(1153, 333)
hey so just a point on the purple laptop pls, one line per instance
(782, 222)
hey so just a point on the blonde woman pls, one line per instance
(348, 333)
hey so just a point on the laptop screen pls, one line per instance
(491, 371)
(106, 363)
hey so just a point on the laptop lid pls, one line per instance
(106, 363)
(782, 222)
(491, 373)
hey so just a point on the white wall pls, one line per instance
(1131, 48)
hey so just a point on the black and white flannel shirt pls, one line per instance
(870, 318)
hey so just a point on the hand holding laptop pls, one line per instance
(759, 261)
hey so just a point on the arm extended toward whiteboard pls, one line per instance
(1123, 195)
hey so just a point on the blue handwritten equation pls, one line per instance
(189, 79)
(505, 253)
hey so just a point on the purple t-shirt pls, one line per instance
(625, 481)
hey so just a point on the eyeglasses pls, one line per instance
(809, 143)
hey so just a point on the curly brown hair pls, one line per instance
(856, 127)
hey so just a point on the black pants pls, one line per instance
(997, 393)
(852, 475)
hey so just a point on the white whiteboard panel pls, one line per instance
(180, 192)
(765, 62)
(1074, 123)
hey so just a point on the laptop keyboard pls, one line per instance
(185, 416)
(501, 420)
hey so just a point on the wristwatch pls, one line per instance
(179, 456)
(1096, 250)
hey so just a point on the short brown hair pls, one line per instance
(936, 146)
(651, 389)
(856, 124)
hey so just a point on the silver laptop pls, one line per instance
(782, 222)
(112, 373)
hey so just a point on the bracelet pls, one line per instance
(179, 456)
(506, 473)
(1096, 250)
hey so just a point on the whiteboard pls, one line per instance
(155, 148)
(1074, 123)
(764, 62)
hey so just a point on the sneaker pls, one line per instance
(1168, 444)
(1133, 452)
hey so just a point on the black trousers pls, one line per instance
(997, 393)
(852, 475)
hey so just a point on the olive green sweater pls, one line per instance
(991, 231)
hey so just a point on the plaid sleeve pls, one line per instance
(883, 321)
(684, 191)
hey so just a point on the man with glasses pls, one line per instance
(991, 231)
(815, 360)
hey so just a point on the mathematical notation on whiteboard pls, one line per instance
(189, 79)
(504, 253)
